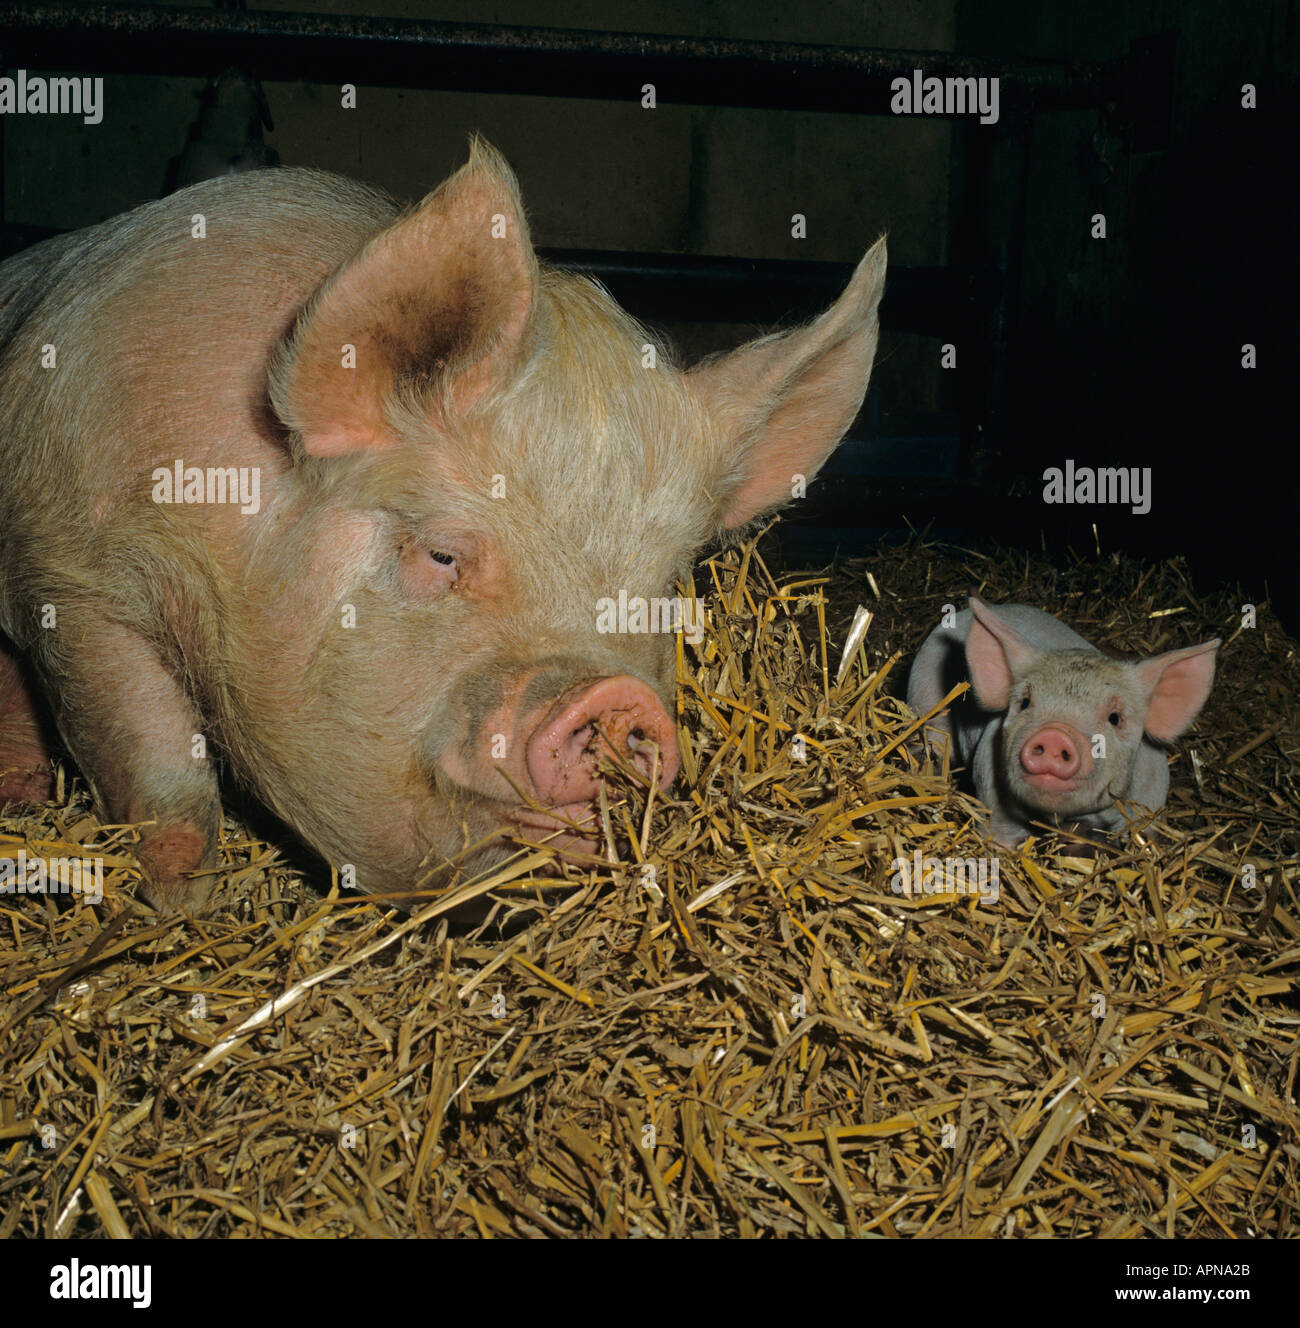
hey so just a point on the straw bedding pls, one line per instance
(728, 1023)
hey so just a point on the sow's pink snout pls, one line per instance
(618, 717)
(1055, 753)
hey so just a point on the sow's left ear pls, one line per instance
(1178, 683)
(783, 403)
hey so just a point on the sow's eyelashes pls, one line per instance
(426, 572)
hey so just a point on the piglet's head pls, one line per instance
(1074, 719)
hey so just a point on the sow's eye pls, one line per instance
(427, 572)
(1114, 718)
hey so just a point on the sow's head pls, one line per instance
(505, 454)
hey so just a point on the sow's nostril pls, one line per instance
(618, 715)
(1050, 751)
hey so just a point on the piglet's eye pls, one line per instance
(1114, 718)
(1024, 702)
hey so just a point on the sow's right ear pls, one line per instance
(442, 297)
(783, 403)
(995, 654)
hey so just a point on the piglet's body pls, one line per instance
(1053, 730)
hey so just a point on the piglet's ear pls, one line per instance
(995, 654)
(783, 403)
(442, 296)
(1178, 683)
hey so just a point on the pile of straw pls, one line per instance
(730, 1023)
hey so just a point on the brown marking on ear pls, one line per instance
(435, 298)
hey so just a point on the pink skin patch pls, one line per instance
(168, 855)
(570, 830)
(25, 773)
(25, 778)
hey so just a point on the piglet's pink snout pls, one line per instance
(1054, 750)
(618, 716)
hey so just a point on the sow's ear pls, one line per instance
(1178, 683)
(995, 654)
(443, 295)
(782, 403)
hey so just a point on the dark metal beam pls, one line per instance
(689, 288)
(552, 62)
(702, 289)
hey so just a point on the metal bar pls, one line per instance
(710, 289)
(550, 62)
(1006, 182)
(1149, 91)
(702, 289)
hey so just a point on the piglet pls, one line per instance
(1055, 731)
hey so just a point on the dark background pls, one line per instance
(1117, 352)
